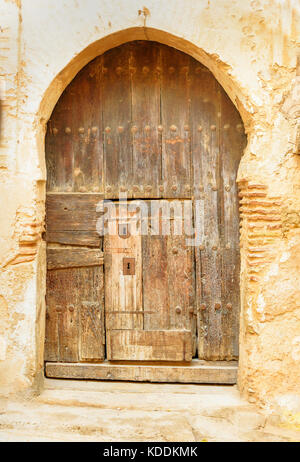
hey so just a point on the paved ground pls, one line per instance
(115, 411)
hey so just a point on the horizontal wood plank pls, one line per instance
(71, 218)
(70, 258)
(208, 372)
(155, 345)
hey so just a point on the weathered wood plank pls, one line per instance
(88, 128)
(123, 292)
(205, 107)
(70, 292)
(146, 134)
(232, 142)
(155, 345)
(74, 139)
(181, 281)
(91, 323)
(72, 219)
(175, 107)
(206, 372)
(73, 257)
(61, 301)
(155, 283)
(168, 272)
(116, 106)
(59, 145)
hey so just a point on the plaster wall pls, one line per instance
(251, 46)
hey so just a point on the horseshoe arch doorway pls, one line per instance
(149, 123)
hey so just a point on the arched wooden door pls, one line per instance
(152, 124)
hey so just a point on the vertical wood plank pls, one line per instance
(232, 143)
(59, 145)
(145, 82)
(205, 116)
(63, 299)
(92, 336)
(156, 296)
(116, 106)
(88, 128)
(181, 284)
(175, 107)
(51, 327)
(168, 277)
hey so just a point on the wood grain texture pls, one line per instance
(146, 119)
(74, 142)
(175, 107)
(72, 218)
(75, 314)
(147, 345)
(73, 257)
(123, 293)
(168, 275)
(117, 116)
(209, 372)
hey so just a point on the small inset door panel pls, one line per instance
(149, 290)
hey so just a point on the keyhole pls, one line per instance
(124, 231)
(129, 266)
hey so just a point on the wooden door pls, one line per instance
(150, 123)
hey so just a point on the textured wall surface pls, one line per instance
(251, 47)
